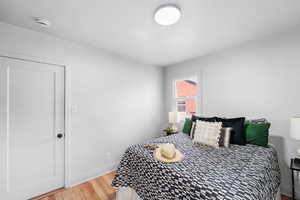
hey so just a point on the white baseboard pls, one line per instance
(92, 175)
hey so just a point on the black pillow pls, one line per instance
(238, 129)
(206, 119)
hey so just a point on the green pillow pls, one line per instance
(257, 133)
(187, 126)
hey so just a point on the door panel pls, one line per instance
(32, 98)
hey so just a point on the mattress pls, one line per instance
(239, 172)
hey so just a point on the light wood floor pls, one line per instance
(96, 189)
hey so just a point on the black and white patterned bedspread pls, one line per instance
(236, 173)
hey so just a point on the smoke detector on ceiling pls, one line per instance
(43, 22)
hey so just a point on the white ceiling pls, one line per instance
(127, 27)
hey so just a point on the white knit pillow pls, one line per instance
(207, 133)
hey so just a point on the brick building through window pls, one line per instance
(186, 95)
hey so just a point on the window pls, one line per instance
(186, 96)
(181, 106)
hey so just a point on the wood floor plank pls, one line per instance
(97, 189)
(106, 185)
(43, 196)
(100, 189)
(89, 192)
(58, 196)
(77, 194)
(108, 179)
(67, 195)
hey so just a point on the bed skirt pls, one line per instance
(127, 193)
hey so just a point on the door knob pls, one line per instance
(60, 135)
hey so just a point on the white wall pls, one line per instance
(119, 102)
(257, 79)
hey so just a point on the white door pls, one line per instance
(31, 121)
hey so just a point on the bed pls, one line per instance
(239, 172)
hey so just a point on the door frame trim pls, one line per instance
(67, 93)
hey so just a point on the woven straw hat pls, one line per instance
(167, 153)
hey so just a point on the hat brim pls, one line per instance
(157, 156)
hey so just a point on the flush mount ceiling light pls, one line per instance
(167, 15)
(43, 22)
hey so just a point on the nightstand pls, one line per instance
(294, 167)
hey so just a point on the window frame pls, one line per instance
(198, 98)
(181, 104)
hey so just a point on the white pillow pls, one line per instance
(207, 133)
